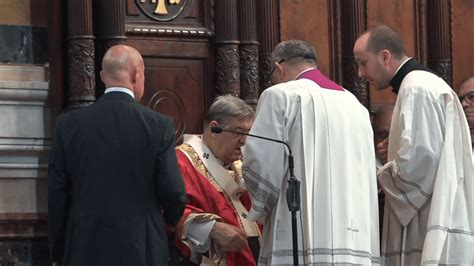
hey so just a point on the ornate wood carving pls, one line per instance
(439, 39)
(81, 76)
(184, 18)
(227, 54)
(268, 37)
(354, 23)
(248, 52)
(249, 73)
(109, 18)
(162, 10)
(227, 69)
(334, 8)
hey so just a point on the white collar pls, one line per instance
(120, 89)
(304, 71)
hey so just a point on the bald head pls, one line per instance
(122, 66)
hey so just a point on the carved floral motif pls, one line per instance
(227, 68)
(81, 89)
(249, 73)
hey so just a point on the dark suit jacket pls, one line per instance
(113, 184)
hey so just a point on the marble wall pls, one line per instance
(25, 132)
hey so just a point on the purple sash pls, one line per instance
(317, 77)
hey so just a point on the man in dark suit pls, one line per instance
(113, 177)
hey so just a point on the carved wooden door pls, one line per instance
(173, 37)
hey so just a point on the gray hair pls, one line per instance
(226, 108)
(295, 52)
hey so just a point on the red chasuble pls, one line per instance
(202, 198)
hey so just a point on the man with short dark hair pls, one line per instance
(428, 179)
(330, 135)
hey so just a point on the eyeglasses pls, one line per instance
(269, 79)
(239, 132)
(469, 98)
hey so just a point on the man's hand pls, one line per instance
(56, 263)
(382, 149)
(228, 237)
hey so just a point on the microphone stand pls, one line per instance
(292, 193)
(293, 202)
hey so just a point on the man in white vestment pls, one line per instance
(466, 97)
(331, 139)
(428, 216)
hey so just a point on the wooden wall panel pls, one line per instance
(307, 20)
(24, 12)
(177, 84)
(179, 57)
(174, 88)
(462, 40)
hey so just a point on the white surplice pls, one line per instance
(331, 138)
(428, 216)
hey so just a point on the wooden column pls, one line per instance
(335, 40)
(439, 39)
(248, 52)
(57, 51)
(420, 31)
(81, 76)
(109, 29)
(354, 23)
(227, 42)
(268, 37)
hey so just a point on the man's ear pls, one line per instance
(135, 75)
(386, 56)
(102, 75)
(280, 70)
(213, 123)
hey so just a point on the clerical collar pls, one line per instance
(304, 71)
(406, 67)
(120, 89)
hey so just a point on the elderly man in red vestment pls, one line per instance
(214, 229)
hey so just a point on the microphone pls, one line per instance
(219, 130)
(292, 193)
